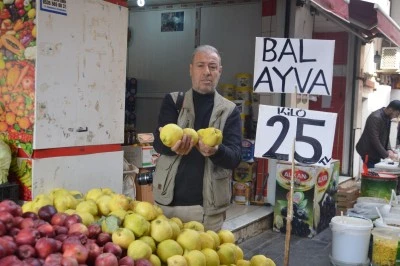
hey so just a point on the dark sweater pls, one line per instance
(189, 177)
(375, 137)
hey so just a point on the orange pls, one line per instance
(3, 126)
(10, 118)
(24, 123)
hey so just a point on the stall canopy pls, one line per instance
(364, 19)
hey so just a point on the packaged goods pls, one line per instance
(314, 201)
(384, 249)
(243, 79)
(241, 192)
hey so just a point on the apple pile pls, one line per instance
(53, 238)
(135, 230)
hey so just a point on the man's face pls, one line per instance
(205, 71)
(395, 114)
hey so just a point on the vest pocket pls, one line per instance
(221, 189)
(163, 179)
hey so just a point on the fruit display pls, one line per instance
(171, 133)
(105, 228)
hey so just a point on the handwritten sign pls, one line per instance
(314, 132)
(288, 65)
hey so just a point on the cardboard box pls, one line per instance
(140, 156)
(347, 194)
(314, 202)
(345, 204)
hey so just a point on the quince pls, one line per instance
(210, 136)
(170, 134)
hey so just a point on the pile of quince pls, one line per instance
(143, 231)
(172, 133)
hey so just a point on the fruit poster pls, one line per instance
(17, 76)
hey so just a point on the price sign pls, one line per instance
(277, 127)
(293, 65)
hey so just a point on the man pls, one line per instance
(374, 141)
(193, 182)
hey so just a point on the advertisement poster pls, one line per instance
(17, 85)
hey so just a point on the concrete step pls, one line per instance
(246, 221)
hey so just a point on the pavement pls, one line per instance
(303, 251)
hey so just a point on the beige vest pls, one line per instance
(216, 180)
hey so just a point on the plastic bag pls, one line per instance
(130, 172)
(5, 161)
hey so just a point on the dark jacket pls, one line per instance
(375, 137)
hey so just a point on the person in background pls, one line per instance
(374, 142)
(192, 182)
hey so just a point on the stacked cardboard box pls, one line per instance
(346, 197)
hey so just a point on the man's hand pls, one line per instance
(206, 150)
(393, 155)
(183, 146)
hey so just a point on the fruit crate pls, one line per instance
(9, 191)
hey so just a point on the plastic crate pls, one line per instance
(9, 191)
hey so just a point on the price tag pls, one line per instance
(277, 127)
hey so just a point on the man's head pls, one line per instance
(205, 69)
(393, 109)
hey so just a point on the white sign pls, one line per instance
(54, 6)
(289, 65)
(277, 127)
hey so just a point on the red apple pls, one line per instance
(78, 228)
(3, 229)
(106, 259)
(110, 247)
(9, 245)
(46, 230)
(26, 223)
(69, 261)
(94, 251)
(25, 252)
(32, 215)
(58, 218)
(32, 262)
(77, 251)
(69, 241)
(103, 238)
(3, 251)
(11, 207)
(58, 245)
(7, 219)
(8, 238)
(10, 260)
(94, 230)
(19, 4)
(61, 237)
(60, 229)
(72, 219)
(38, 222)
(28, 82)
(45, 246)
(27, 236)
(18, 220)
(81, 237)
(46, 212)
(13, 231)
(53, 260)
(127, 261)
(143, 262)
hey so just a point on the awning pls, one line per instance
(364, 19)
